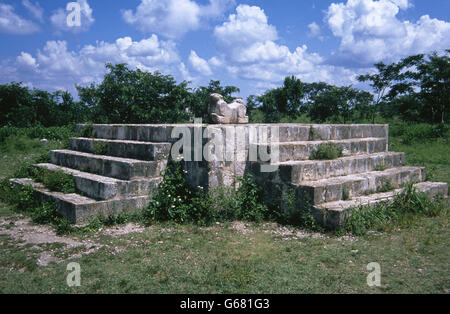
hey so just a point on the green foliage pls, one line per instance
(410, 133)
(55, 180)
(405, 207)
(177, 201)
(345, 194)
(250, 201)
(134, 96)
(100, 148)
(381, 166)
(327, 151)
(386, 186)
(37, 132)
(88, 131)
(22, 107)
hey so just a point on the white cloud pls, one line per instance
(314, 30)
(174, 18)
(35, 9)
(371, 32)
(27, 60)
(57, 67)
(11, 23)
(248, 50)
(59, 18)
(200, 65)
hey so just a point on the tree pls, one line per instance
(391, 81)
(24, 107)
(434, 78)
(134, 96)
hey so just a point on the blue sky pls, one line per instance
(249, 44)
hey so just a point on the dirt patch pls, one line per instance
(122, 230)
(24, 233)
(240, 227)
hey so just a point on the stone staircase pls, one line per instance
(368, 173)
(122, 166)
(123, 179)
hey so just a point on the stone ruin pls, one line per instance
(222, 113)
(277, 155)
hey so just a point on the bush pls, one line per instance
(250, 201)
(327, 151)
(177, 201)
(410, 133)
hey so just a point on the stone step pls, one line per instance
(80, 209)
(334, 189)
(120, 148)
(334, 214)
(114, 167)
(294, 151)
(105, 188)
(311, 170)
(287, 132)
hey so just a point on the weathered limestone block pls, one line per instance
(222, 113)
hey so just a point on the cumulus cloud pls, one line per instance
(248, 50)
(35, 9)
(59, 18)
(11, 23)
(200, 65)
(370, 31)
(27, 60)
(174, 18)
(55, 66)
(315, 31)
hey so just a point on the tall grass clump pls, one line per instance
(327, 151)
(405, 206)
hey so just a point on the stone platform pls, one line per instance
(124, 174)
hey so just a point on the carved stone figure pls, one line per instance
(222, 113)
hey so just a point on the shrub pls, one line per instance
(410, 133)
(250, 201)
(177, 201)
(327, 151)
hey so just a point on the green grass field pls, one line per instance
(225, 258)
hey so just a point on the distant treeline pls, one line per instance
(415, 89)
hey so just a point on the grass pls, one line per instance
(327, 151)
(261, 258)
(188, 259)
(434, 155)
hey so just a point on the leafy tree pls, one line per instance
(416, 88)
(390, 81)
(337, 104)
(434, 78)
(134, 96)
(22, 107)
